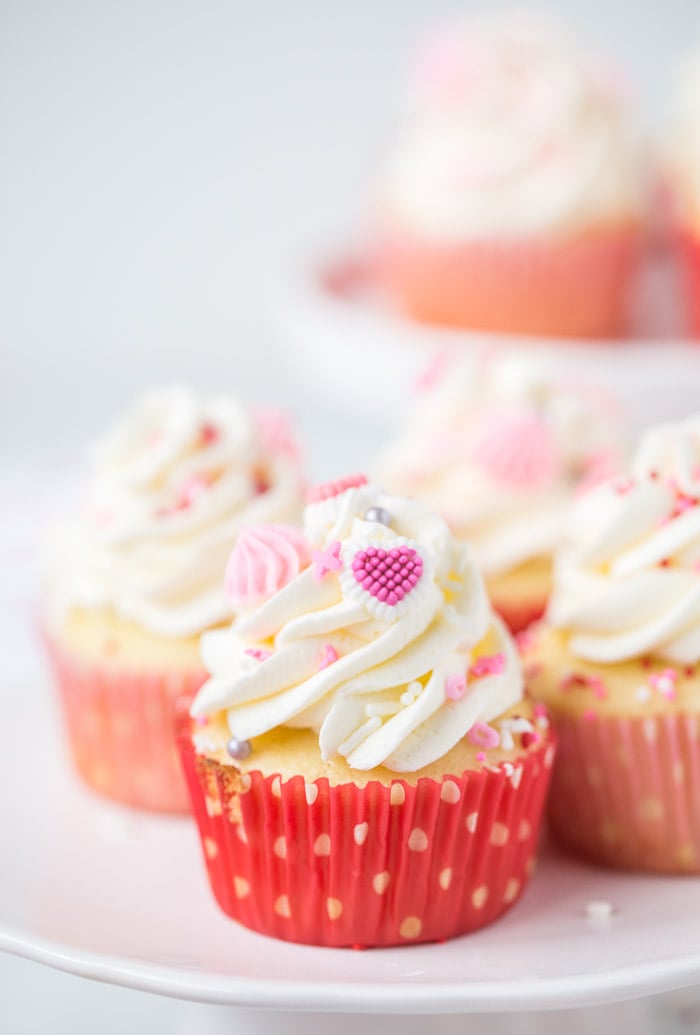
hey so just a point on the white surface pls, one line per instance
(120, 896)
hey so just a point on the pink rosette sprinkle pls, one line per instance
(514, 446)
(264, 559)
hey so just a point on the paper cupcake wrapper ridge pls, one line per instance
(367, 866)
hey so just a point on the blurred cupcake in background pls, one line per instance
(508, 199)
(617, 663)
(132, 584)
(363, 767)
(498, 446)
(682, 183)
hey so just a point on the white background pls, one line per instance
(162, 164)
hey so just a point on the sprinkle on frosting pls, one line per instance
(326, 561)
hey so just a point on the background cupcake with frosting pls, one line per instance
(136, 579)
(616, 663)
(508, 199)
(363, 767)
(498, 445)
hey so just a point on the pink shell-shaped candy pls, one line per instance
(514, 446)
(264, 559)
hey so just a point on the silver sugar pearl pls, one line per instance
(378, 514)
(238, 748)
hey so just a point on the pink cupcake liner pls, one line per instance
(579, 287)
(688, 252)
(519, 614)
(626, 791)
(368, 866)
(121, 729)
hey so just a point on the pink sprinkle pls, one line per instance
(209, 433)
(590, 715)
(328, 654)
(483, 735)
(435, 371)
(259, 653)
(327, 560)
(489, 665)
(455, 687)
(598, 687)
(202, 720)
(665, 683)
(328, 490)
(623, 486)
(539, 711)
(528, 738)
(480, 757)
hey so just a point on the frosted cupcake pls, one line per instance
(617, 664)
(508, 199)
(363, 768)
(133, 583)
(498, 446)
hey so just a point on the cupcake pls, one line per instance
(133, 582)
(616, 664)
(682, 186)
(508, 198)
(363, 768)
(498, 445)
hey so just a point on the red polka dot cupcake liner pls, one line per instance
(343, 865)
(580, 287)
(626, 791)
(121, 729)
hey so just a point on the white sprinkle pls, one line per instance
(599, 909)
(356, 738)
(642, 693)
(381, 709)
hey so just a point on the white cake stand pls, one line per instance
(360, 354)
(121, 897)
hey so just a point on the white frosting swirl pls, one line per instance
(373, 679)
(513, 132)
(628, 583)
(497, 446)
(173, 483)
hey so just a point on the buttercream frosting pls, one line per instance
(385, 643)
(173, 482)
(511, 131)
(497, 447)
(627, 584)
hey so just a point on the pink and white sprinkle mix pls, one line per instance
(665, 683)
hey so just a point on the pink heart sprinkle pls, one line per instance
(387, 575)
